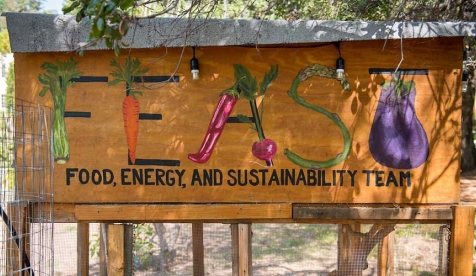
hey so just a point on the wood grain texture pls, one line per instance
(99, 148)
(135, 212)
(461, 249)
(115, 249)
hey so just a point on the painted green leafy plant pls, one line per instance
(56, 79)
(263, 149)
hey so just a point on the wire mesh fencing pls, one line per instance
(277, 249)
(26, 189)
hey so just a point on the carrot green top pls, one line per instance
(127, 73)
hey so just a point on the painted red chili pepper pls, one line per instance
(217, 124)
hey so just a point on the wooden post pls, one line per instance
(128, 249)
(102, 249)
(198, 249)
(444, 238)
(347, 244)
(83, 249)
(461, 241)
(115, 249)
(241, 249)
(385, 255)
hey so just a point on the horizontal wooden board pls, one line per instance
(182, 212)
(369, 213)
(176, 116)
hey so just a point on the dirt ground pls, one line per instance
(468, 187)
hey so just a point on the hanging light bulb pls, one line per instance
(340, 65)
(194, 66)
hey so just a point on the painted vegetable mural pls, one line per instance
(227, 102)
(326, 72)
(397, 138)
(130, 105)
(263, 149)
(56, 79)
(245, 86)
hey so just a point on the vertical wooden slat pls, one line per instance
(128, 249)
(83, 249)
(235, 252)
(461, 245)
(244, 246)
(198, 249)
(115, 249)
(241, 249)
(347, 244)
(102, 249)
(444, 237)
(385, 255)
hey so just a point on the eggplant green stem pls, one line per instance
(316, 164)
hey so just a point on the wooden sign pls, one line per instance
(261, 124)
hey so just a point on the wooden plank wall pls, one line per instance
(98, 170)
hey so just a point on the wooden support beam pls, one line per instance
(385, 263)
(128, 249)
(102, 249)
(241, 249)
(115, 250)
(198, 249)
(347, 244)
(461, 243)
(355, 214)
(443, 238)
(190, 212)
(83, 249)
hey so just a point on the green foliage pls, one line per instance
(110, 20)
(58, 76)
(247, 83)
(94, 245)
(126, 73)
(4, 42)
(143, 244)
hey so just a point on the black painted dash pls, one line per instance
(156, 79)
(147, 116)
(90, 79)
(235, 120)
(399, 71)
(156, 162)
(77, 114)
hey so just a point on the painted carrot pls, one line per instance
(130, 105)
(130, 114)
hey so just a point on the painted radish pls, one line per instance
(264, 150)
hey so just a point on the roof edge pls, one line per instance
(61, 33)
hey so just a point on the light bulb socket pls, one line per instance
(194, 64)
(194, 68)
(340, 65)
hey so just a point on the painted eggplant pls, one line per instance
(397, 138)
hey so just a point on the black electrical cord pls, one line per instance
(26, 261)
